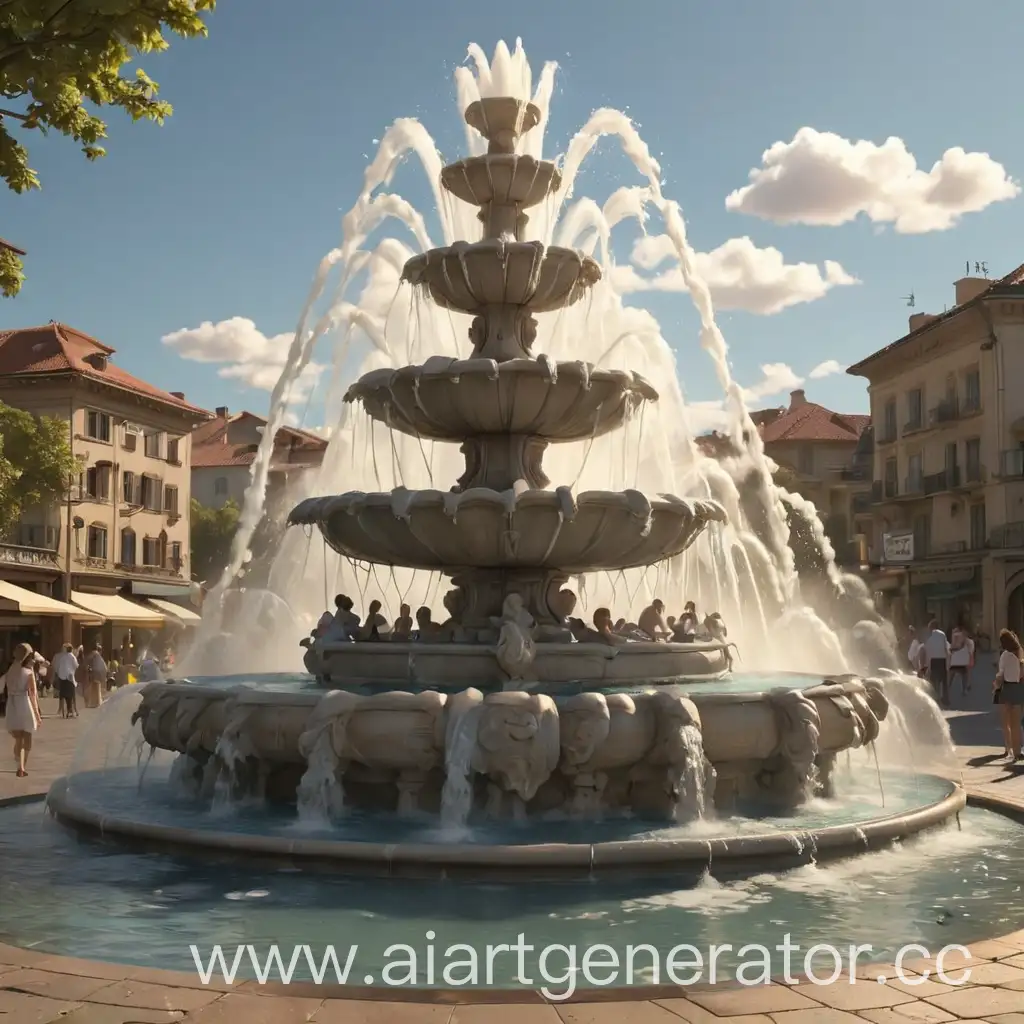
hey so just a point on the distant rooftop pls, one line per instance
(211, 446)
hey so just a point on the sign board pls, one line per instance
(898, 546)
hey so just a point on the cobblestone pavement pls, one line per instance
(38, 988)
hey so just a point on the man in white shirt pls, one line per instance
(914, 652)
(961, 658)
(62, 672)
(936, 648)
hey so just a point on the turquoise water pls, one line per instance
(65, 894)
(863, 795)
(735, 682)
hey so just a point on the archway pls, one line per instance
(1015, 609)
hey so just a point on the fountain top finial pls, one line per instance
(501, 120)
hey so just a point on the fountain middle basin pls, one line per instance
(508, 780)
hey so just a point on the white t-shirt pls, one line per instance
(914, 653)
(936, 645)
(1009, 667)
(63, 666)
(961, 656)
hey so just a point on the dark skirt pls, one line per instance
(1012, 693)
(66, 690)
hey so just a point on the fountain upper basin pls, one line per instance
(504, 178)
(472, 276)
(451, 399)
(518, 528)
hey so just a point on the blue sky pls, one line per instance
(226, 210)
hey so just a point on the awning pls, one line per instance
(148, 588)
(114, 608)
(28, 602)
(185, 616)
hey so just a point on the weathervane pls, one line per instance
(979, 268)
(909, 299)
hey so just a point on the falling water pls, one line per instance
(320, 794)
(457, 794)
(696, 785)
(388, 324)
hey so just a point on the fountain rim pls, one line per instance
(763, 849)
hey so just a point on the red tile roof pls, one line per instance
(211, 448)
(812, 422)
(58, 349)
(1014, 279)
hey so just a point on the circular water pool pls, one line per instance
(64, 893)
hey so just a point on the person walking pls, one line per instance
(23, 717)
(936, 648)
(63, 669)
(1008, 692)
(961, 658)
(96, 669)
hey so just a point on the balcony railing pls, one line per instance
(861, 503)
(914, 485)
(935, 483)
(974, 474)
(947, 411)
(20, 554)
(912, 426)
(1011, 463)
(956, 547)
(1009, 535)
(887, 435)
(854, 473)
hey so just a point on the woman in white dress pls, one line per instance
(23, 718)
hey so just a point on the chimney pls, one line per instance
(796, 399)
(222, 412)
(180, 395)
(918, 320)
(968, 288)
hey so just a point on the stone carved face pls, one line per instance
(518, 742)
(584, 724)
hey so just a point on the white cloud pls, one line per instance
(244, 352)
(777, 381)
(823, 179)
(739, 274)
(826, 369)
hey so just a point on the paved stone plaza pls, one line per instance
(36, 988)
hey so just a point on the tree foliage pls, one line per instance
(11, 272)
(58, 58)
(36, 463)
(211, 531)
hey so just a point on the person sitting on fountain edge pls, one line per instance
(376, 626)
(427, 630)
(604, 632)
(402, 629)
(342, 625)
(652, 621)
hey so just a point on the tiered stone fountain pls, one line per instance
(508, 711)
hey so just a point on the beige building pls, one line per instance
(947, 537)
(826, 457)
(123, 531)
(224, 449)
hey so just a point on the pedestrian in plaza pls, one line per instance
(1008, 692)
(961, 659)
(63, 669)
(96, 669)
(23, 717)
(936, 648)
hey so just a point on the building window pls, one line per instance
(97, 542)
(171, 500)
(922, 535)
(151, 493)
(972, 456)
(153, 445)
(889, 432)
(129, 488)
(97, 483)
(805, 460)
(978, 532)
(150, 551)
(127, 546)
(915, 474)
(220, 486)
(176, 556)
(33, 536)
(172, 450)
(972, 391)
(915, 409)
(97, 425)
(891, 476)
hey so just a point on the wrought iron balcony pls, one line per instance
(947, 411)
(912, 426)
(887, 435)
(21, 554)
(935, 483)
(1009, 535)
(914, 485)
